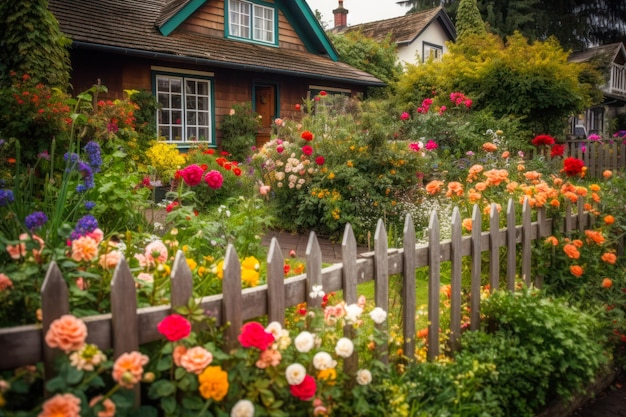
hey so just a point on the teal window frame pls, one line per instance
(251, 27)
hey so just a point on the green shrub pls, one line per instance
(240, 128)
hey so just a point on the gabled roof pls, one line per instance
(611, 52)
(404, 29)
(134, 27)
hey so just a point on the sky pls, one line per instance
(359, 11)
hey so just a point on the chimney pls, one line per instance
(341, 16)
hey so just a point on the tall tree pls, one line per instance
(32, 43)
(468, 20)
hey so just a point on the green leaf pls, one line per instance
(124, 398)
(145, 411)
(165, 363)
(74, 376)
(179, 373)
(56, 384)
(168, 404)
(193, 403)
(162, 388)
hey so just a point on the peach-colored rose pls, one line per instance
(156, 252)
(269, 357)
(5, 282)
(17, 251)
(84, 249)
(67, 333)
(128, 369)
(81, 284)
(110, 260)
(178, 353)
(609, 258)
(144, 277)
(196, 359)
(108, 406)
(97, 235)
(61, 405)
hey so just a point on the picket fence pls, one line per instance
(127, 327)
(597, 156)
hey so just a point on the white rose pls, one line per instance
(243, 408)
(323, 360)
(363, 377)
(353, 312)
(274, 328)
(304, 342)
(378, 315)
(295, 374)
(316, 291)
(344, 347)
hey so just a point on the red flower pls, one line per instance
(221, 161)
(209, 151)
(557, 150)
(253, 334)
(174, 327)
(573, 166)
(280, 149)
(214, 179)
(237, 171)
(298, 107)
(192, 175)
(306, 135)
(286, 268)
(319, 160)
(306, 390)
(543, 140)
(224, 153)
(307, 150)
(322, 93)
(227, 166)
(171, 206)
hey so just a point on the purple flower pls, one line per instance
(44, 155)
(89, 205)
(86, 224)
(72, 157)
(87, 174)
(112, 127)
(6, 197)
(35, 220)
(92, 148)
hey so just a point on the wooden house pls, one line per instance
(199, 57)
(418, 36)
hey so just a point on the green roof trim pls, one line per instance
(173, 22)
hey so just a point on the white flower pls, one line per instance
(304, 342)
(323, 360)
(363, 377)
(378, 315)
(295, 374)
(344, 347)
(353, 312)
(274, 328)
(283, 341)
(243, 408)
(316, 291)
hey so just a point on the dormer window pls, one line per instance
(251, 21)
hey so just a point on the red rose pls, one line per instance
(306, 135)
(298, 107)
(557, 150)
(280, 149)
(306, 390)
(254, 335)
(322, 93)
(307, 150)
(174, 327)
(192, 175)
(237, 171)
(214, 179)
(543, 140)
(573, 166)
(286, 269)
(319, 160)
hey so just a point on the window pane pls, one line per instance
(163, 84)
(177, 102)
(191, 118)
(176, 117)
(191, 102)
(175, 85)
(177, 133)
(203, 119)
(203, 103)
(164, 100)
(164, 117)
(203, 134)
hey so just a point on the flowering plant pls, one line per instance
(165, 159)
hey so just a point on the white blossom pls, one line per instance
(363, 377)
(323, 360)
(316, 291)
(243, 408)
(378, 315)
(304, 342)
(344, 347)
(295, 374)
(353, 312)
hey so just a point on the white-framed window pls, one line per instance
(251, 21)
(185, 113)
(433, 52)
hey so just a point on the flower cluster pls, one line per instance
(165, 159)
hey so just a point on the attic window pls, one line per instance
(251, 21)
(433, 52)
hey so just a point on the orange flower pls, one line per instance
(84, 249)
(576, 270)
(422, 334)
(110, 260)
(555, 203)
(582, 191)
(578, 243)
(454, 189)
(512, 186)
(196, 359)
(474, 196)
(520, 167)
(108, 406)
(434, 187)
(61, 405)
(489, 147)
(128, 369)
(609, 258)
(269, 357)
(552, 240)
(557, 181)
(607, 174)
(587, 207)
(608, 219)
(481, 186)
(506, 154)
(473, 172)
(594, 187)
(607, 283)
(532, 175)
(213, 383)
(467, 224)
(178, 353)
(595, 197)
(594, 236)
(571, 251)
(571, 196)
(67, 333)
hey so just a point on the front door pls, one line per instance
(265, 106)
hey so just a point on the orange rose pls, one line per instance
(196, 359)
(422, 334)
(128, 369)
(467, 224)
(489, 147)
(578, 243)
(67, 333)
(608, 219)
(607, 283)
(108, 406)
(594, 236)
(506, 154)
(454, 189)
(551, 240)
(65, 405)
(110, 260)
(609, 258)
(434, 187)
(607, 174)
(571, 251)
(84, 249)
(576, 270)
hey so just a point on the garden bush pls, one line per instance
(240, 127)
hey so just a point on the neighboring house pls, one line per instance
(418, 36)
(199, 57)
(600, 118)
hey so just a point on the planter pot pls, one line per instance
(159, 193)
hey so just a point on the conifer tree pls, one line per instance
(468, 20)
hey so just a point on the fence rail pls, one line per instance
(128, 327)
(598, 156)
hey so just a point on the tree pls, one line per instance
(377, 58)
(31, 43)
(468, 20)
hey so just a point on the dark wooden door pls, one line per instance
(265, 106)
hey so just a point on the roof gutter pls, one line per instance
(211, 62)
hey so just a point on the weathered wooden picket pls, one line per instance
(127, 327)
(597, 156)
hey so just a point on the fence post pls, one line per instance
(541, 233)
(511, 245)
(124, 320)
(476, 268)
(349, 278)
(494, 248)
(313, 270)
(54, 304)
(275, 283)
(582, 216)
(434, 285)
(231, 297)
(455, 279)
(526, 241)
(181, 281)
(381, 280)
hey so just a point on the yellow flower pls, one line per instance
(218, 269)
(331, 176)
(213, 383)
(250, 263)
(328, 375)
(349, 163)
(250, 277)
(192, 264)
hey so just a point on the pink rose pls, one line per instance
(253, 334)
(111, 259)
(404, 116)
(214, 179)
(192, 175)
(319, 160)
(196, 359)
(280, 149)
(305, 390)
(307, 150)
(174, 327)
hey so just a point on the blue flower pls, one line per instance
(87, 174)
(35, 220)
(89, 205)
(6, 197)
(86, 224)
(92, 149)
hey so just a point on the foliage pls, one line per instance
(547, 87)
(468, 20)
(32, 43)
(164, 159)
(240, 127)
